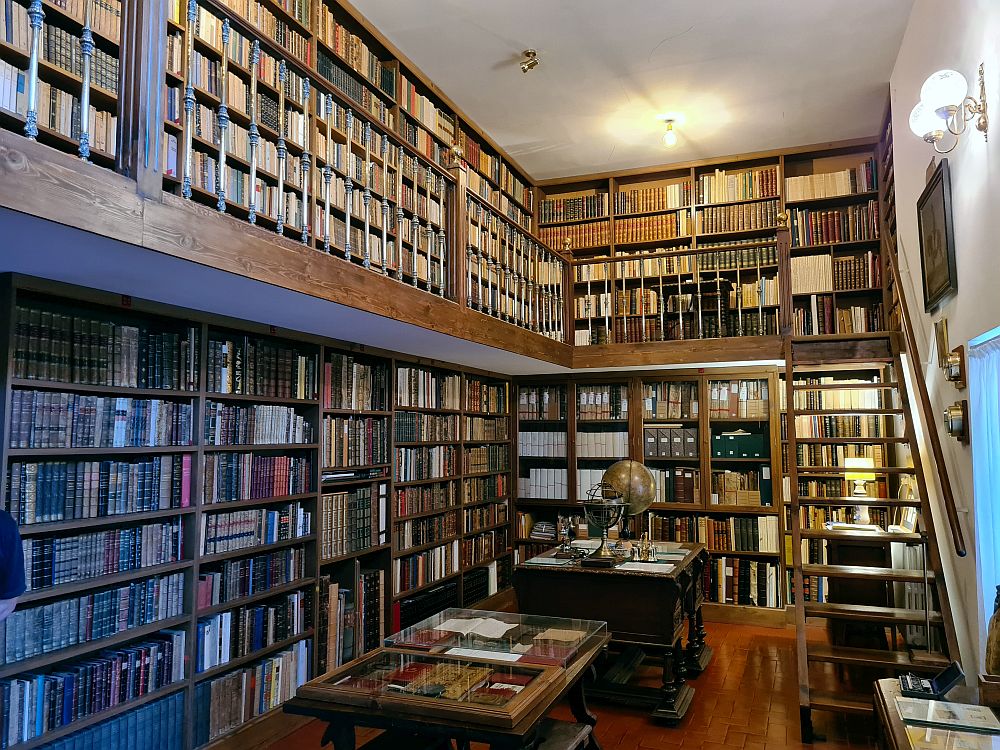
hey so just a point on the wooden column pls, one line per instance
(139, 153)
(784, 277)
(458, 224)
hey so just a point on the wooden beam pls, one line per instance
(689, 351)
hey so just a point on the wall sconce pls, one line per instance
(945, 104)
(956, 421)
(954, 367)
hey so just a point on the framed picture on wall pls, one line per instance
(937, 242)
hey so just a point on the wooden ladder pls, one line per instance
(835, 675)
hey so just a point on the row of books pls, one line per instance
(814, 316)
(159, 724)
(249, 366)
(812, 273)
(363, 96)
(737, 218)
(44, 702)
(816, 517)
(738, 399)
(226, 532)
(653, 228)
(481, 187)
(50, 419)
(486, 428)
(541, 444)
(437, 121)
(355, 441)
(229, 701)
(257, 424)
(409, 501)
(50, 345)
(488, 488)
(678, 484)
(33, 631)
(722, 186)
(848, 224)
(484, 397)
(486, 546)
(748, 488)
(352, 521)
(762, 291)
(543, 484)
(589, 306)
(815, 588)
(63, 50)
(860, 179)
(337, 619)
(553, 210)
(542, 403)
(734, 534)
(248, 576)
(50, 491)
(421, 531)
(595, 234)
(426, 389)
(484, 516)
(480, 583)
(414, 464)
(353, 384)
(860, 318)
(495, 169)
(669, 441)
(644, 200)
(596, 402)
(53, 561)
(736, 580)
(840, 426)
(352, 49)
(231, 477)
(276, 29)
(484, 458)
(370, 623)
(413, 571)
(670, 400)
(837, 455)
(601, 444)
(417, 427)
(230, 635)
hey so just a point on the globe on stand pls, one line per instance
(604, 507)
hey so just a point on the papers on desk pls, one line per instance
(931, 738)
(590, 544)
(646, 567)
(953, 716)
(484, 627)
(548, 561)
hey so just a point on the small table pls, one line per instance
(386, 709)
(645, 609)
(891, 729)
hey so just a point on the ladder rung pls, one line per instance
(850, 441)
(843, 386)
(858, 536)
(864, 572)
(849, 703)
(868, 657)
(870, 613)
(851, 500)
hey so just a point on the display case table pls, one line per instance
(463, 675)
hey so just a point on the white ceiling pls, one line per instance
(746, 75)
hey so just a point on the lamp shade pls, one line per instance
(925, 124)
(670, 137)
(943, 92)
(859, 469)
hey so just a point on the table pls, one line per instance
(342, 719)
(891, 730)
(645, 610)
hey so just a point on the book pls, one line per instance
(953, 716)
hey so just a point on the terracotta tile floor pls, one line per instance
(747, 698)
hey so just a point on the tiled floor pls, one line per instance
(747, 698)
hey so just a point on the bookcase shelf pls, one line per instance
(54, 527)
(297, 584)
(76, 587)
(241, 661)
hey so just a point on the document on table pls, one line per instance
(485, 627)
(646, 567)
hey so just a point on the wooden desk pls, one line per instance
(343, 719)
(644, 610)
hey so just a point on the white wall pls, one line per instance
(957, 34)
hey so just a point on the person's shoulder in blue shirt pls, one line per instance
(11, 564)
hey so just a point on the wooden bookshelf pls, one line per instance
(338, 381)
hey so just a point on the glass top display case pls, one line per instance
(501, 636)
(441, 686)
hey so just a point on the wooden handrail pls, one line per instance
(957, 535)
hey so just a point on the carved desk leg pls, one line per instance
(578, 705)
(699, 655)
(676, 693)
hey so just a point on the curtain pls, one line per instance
(984, 415)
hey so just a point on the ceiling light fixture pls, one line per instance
(529, 61)
(945, 105)
(670, 136)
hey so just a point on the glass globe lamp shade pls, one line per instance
(670, 137)
(926, 124)
(943, 92)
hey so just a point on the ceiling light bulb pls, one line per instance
(925, 123)
(670, 137)
(943, 92)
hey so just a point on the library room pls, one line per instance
(525, 376)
